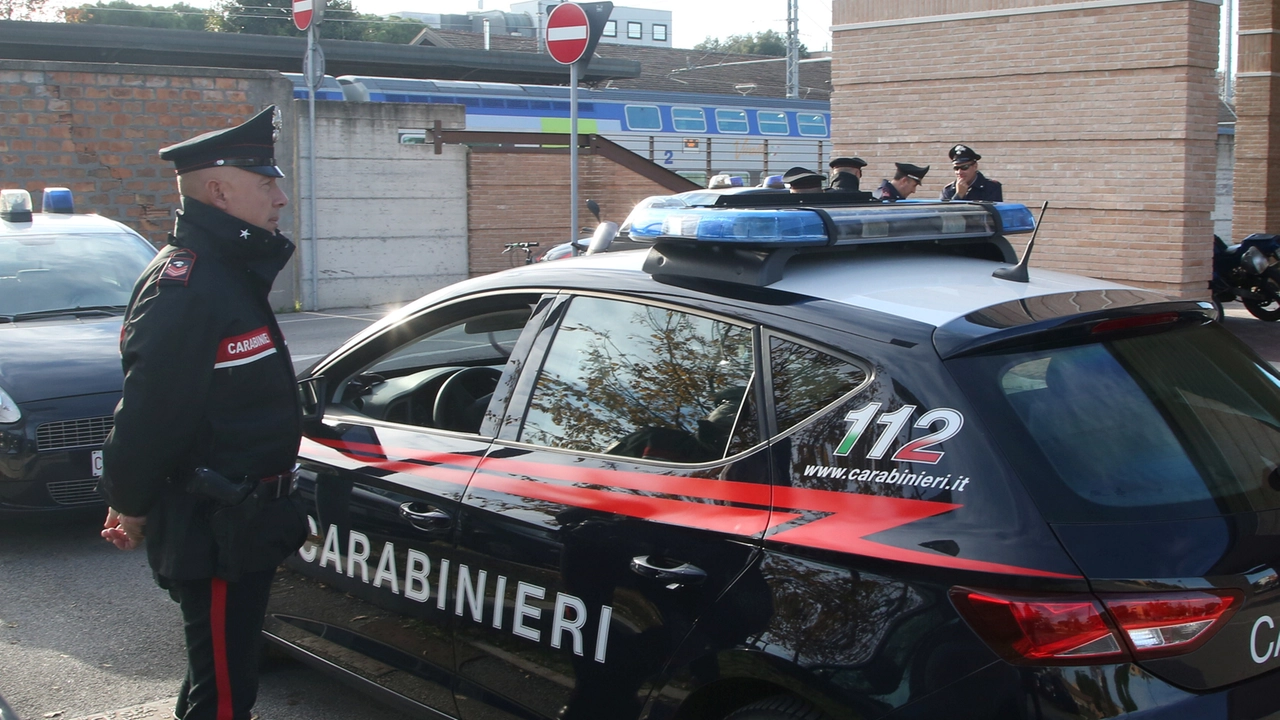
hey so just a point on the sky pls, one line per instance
(691, 20)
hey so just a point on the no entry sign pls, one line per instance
(302, 14)
(567, 33)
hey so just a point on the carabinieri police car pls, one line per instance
(802, 458)
(65, 280)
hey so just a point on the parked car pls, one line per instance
(65, 280)
(802, 458)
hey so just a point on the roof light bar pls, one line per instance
(15, 205)
(817, 227)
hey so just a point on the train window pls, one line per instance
(643, 117)
(522, 104)
(688, 119)
(443, 100)
(731, 121)
(811, 124)
(470, 102)
(611, 28)
(560, 105)
(660, 33)
(698, 177)
(633, 31)
(492, 103)
(540, 104)
(773, 123)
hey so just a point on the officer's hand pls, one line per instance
(123, 531)
(962, 188)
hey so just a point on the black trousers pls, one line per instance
(222, 622)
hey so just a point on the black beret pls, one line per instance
(804, 177)
(915, 172)
(248, 146)
(963, 154)
(847, 162)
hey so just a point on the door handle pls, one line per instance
(673, 572)
(433, 519)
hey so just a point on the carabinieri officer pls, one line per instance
(207, 431)
(970, 184)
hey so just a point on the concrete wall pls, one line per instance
(1105, 108)
(391, 217)
(1224, 191)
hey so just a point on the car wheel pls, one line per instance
(781, 707)
(1270, 309)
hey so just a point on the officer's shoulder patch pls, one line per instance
(177, 269)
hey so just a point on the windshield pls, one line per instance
(47, 272)
(1173, 425)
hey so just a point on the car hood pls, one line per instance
(60, 358)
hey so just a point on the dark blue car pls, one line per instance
(65, 280)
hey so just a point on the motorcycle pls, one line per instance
(596, 241)
(1249, 272)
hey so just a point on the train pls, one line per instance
(697, 135)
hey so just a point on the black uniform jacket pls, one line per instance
(208, 382)
(843, 182)
(983, 189)
(887, 192)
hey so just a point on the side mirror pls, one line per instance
(594, 207)
(312, 397)
(603, 237)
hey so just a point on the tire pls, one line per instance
(1269, 310)
(780, 707)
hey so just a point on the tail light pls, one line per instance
(1084, 629)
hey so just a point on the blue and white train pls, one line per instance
(694, 134)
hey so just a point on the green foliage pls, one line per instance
(21, 9)
(767, 42)
(341, 21)
(179, 16)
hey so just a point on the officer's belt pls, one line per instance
(274, 486)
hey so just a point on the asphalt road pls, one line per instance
(85, 634)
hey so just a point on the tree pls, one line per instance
(341, 21)
(21, 9)
(179, 16)
(767, 42)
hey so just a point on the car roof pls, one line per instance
(65, 224)
(931, 289)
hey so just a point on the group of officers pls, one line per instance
(846, 176)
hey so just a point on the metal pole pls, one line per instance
(573, 152)
(793, 49)
(311, 173)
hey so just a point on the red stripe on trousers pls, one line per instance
(218, 629)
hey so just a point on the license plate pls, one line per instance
(96, 461)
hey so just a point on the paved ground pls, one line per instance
(1263, 337)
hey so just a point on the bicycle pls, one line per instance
(526, 246)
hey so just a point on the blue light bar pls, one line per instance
(58, 200)
(1015, 218)
(815, 226)
(793, 227)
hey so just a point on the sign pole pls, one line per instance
(573, 152)
(312, 235)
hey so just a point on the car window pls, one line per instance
(806, 380)
(441, 370)
(61, 272)
(642, 381)
(1171, 425)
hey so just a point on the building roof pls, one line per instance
(678, 69)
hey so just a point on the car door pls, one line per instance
(626, 491)
(381, 476)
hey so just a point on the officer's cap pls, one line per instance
(802, 177)
(961, 154)
(248, 146)
(915, 172)
(847, 162)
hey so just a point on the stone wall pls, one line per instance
(1105, 108)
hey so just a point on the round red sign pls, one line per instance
(567, 33)
(302, 14)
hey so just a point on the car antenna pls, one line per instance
(1018, 273)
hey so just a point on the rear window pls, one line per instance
(1173, 425)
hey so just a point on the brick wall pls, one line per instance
(1257, 95)
(97, 128)
(1106, 110)
(524, 197)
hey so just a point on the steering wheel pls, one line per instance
(463, 398)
